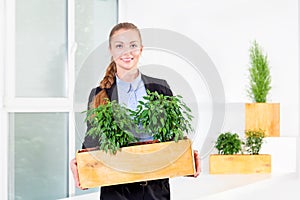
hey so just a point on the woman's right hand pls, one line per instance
(73, 166)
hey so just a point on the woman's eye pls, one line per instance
(133, 45)
(118, 46)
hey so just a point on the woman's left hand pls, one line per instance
(197, 163)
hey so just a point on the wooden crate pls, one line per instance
(135, 163)
(240, 164)
(265, 116)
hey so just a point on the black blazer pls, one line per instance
(152, 84)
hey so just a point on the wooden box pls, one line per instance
(239, 164)
(135, 163)
(264, 116)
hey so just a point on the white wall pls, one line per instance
(225, 30)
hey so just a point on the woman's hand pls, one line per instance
(73, 166)
(197, 163)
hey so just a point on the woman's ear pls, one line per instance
(142, 48)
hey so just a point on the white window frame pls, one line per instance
(9, 103)
(3, 120)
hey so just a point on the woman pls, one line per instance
(124, 82)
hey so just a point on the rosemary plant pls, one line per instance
(260, 78)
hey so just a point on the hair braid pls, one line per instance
(106, 83)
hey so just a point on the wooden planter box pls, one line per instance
(135, 163)
(239, 164)
(264, 116)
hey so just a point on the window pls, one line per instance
(41, 67)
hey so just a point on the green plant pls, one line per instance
(112, 125)
(228, 143)
(260, 78)
(164, 117)
(254, 140)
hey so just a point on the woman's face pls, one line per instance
(126, 48)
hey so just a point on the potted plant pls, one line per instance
(112, 125)
(164, 117)
(238, 157)
(260, 114)
(228, 144)
(254, 141)
(120, 158)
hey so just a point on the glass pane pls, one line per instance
(41, 48)
(38, 167)
(93, 22)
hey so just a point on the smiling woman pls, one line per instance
(124, 83)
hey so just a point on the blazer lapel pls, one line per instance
(149, 85)
(112, 92)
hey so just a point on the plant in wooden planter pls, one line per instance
(228, 144)
(112, 125)
(260, 77)
(260, 114)
(231, 158)
(254, 141)
(166, 118)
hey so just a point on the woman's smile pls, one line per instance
(127, 59)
